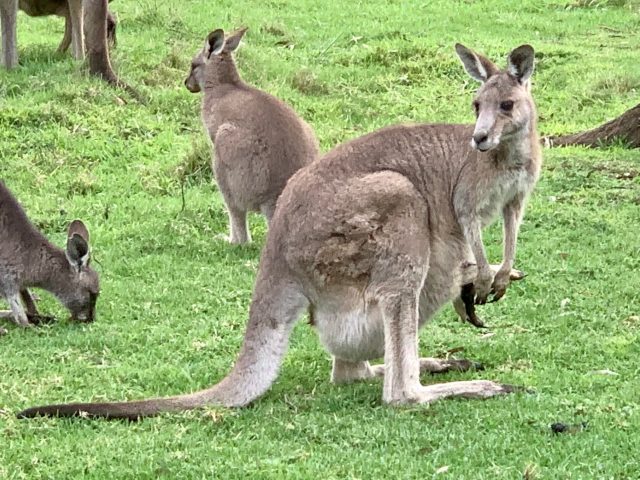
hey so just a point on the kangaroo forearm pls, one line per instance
(512, 215)
(473, 235)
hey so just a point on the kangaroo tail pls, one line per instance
(276, 305)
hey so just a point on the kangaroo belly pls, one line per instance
(350, 329)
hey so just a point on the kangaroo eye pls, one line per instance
(506, 106)
(476, 107)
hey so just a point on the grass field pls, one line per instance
(175, 295)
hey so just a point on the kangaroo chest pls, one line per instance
(507, 185)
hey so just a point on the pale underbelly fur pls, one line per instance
(353, 331)
(350, 325)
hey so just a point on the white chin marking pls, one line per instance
(484, 147)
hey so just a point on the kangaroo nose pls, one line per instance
(480, 137)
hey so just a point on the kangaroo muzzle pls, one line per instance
(483, 138)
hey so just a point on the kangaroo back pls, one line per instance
(259, 141)
(14, 223)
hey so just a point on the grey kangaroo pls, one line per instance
(258, 140)
(28, 259)
(372, 237)
(39, 8)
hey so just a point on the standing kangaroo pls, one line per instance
(259, 142)
(372, 237)
(40, 8)
(74, 12)
(28, 259)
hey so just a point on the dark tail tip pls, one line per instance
(28, 413)
(45, 411)
(75, 411)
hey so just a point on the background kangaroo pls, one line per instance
(372, 236)
(72, 10)
(258, 140)
(39, 8)
(28, 259)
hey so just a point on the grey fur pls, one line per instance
(71, 10)
(258, 140)
(28, 259)
(372, 236)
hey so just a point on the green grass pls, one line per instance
(175, 294)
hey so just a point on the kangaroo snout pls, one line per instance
(83, 318)
(87, 312)
(192, 86)
(484, 140)
(480, 137)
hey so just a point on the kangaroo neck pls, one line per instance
(53, 269)
(222, 75)
(518, 149)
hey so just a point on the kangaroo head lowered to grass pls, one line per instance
(259, 142)
(372, 237)
(28, 259)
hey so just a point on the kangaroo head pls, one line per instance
(82, 287)
(503, 103)
(214, 60)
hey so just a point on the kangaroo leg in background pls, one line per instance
(238, 224)
(344, 371)
(112, 25)
(77, 28)
(96, 40)
(19, 316)
(17, 312)
(29, 302)
(66, 38)
(267, 210)
(8, 17)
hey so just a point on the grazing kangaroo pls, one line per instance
(28, 259)
(72, 10)
(258, 140)
(372, 237)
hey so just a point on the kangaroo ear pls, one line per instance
(477, 66)
(233, 40)
(78, 228)
(78, 245)
(520, 63)
(215, 43)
